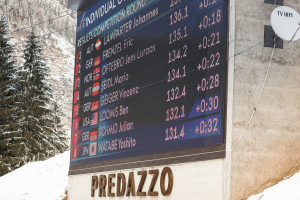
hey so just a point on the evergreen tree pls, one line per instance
(12, 148)
(38, 123)
(59, 137)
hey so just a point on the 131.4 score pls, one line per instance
(174, 132)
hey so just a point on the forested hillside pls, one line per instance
(45, 15)
(56, 25)
(36, 70)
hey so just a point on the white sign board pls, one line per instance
(191, 181)
(285, 22)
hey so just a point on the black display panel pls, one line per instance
(150, 78)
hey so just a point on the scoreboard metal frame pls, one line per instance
(207, 152)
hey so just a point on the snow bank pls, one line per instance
(44, 180)
(288, 189)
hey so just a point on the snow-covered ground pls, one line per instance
(288, 189)
(47, 180)
(44, 180)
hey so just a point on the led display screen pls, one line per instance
(150, 77)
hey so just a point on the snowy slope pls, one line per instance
(45, 180)
(288, 189)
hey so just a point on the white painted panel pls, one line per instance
(196, 180)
